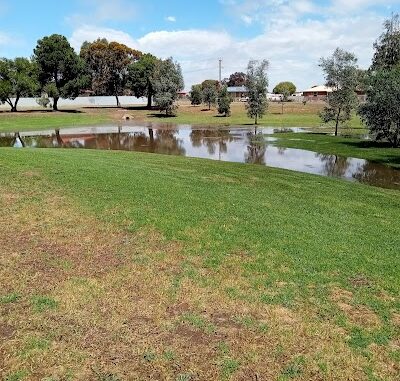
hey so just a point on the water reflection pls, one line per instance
(235, 144)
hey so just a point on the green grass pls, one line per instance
(26, 121)
(342, 146)
(319, 252)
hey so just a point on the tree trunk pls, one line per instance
(149, 103)
(337, 123)
(59, 139)
(209, 106)
(13, 108)
(55, 103)
(256, 120)
(116, 97)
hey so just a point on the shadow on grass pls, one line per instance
(49, 111)
(160, 116)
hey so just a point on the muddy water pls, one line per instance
(234, 144)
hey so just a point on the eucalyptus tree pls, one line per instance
(341, 74)
(224, 102)
(141, 77)
(168, 82)
(61, 72)
(18, 78)
(107, 63)
(381, 112)
(196, 95)
(257, 84)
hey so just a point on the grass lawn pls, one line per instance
(295, 115)
(130, 266)
(342, 146)
(43, 120)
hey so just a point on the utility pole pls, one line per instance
(220, 70)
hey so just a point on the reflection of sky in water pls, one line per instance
(235, 144)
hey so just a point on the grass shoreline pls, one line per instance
(176, 268)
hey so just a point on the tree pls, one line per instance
(59, 68)
(381, 112)
(108, 63)
(285, 88)
(341, 74)
(224, 102)
(210, 83)
(18, 78)
(387, 47)
(167, 84)
(257, 83)
(196, 95)
(141, 77)
(209, 95)
(237, 79)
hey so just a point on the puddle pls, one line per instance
(234, 144)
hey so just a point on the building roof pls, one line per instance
(237, 89)
(318, 88)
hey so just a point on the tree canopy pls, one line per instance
(257, 84)
(196, 95)
(381, 112)
(236, 79)
(285, 88)
(387, 47)
(141, 77)
(167, 84)
(18, 78)
(341, 74)
(108, 63)
(60, 70)
(224, 102)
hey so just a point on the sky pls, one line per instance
(291, 34)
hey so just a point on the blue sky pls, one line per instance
(291, 34)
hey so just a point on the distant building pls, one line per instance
(317, 93)
(238, 92)
(320, 93)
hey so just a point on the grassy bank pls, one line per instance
(342, 146)
(294, 115)
(128, 266)
(43, 120)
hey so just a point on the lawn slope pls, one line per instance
(118, 265)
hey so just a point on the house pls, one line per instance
(320, 93)
(238, 92)
(317, 93)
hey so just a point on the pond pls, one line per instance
(234, 144)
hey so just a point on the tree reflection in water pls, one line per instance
(256, 148)
(334, 166)
(212, 140)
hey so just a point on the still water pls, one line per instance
(234, 144)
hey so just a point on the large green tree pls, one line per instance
(108, 63)
(18, 78)
(341, 74)
(387, 47)
(168, 82)
(196, 95)
(141, 77)
(236, 79)
(209, 95)
(285, 88)
(381, 112)
(224, 102)
(61, 71)
(257, 84)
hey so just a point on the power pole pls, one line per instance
(220, 70)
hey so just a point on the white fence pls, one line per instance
(31, 103)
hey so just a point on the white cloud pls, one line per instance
(91, 33)
(5, 39)
(171, 18)
(291, 40)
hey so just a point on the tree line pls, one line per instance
(56, 71)
(380, 82)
